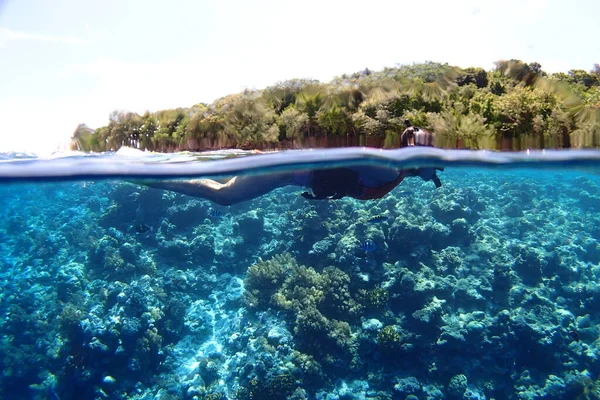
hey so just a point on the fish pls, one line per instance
(215, 213)
(574, 335)
(377, 219)
(142, 227)
(368, 246)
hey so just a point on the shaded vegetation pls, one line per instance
(513, 106)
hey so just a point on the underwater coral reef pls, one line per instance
(486, 288)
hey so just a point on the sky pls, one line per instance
(66, 62)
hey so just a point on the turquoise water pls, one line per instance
(484, 288)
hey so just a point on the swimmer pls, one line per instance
(360, 182)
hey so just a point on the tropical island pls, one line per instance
(514, 106)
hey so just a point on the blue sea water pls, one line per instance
(484, 288)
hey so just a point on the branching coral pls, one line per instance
(277, 387)
(389, 338)
(338, 303)
(373, 300)
(319, 304)
(264, 278)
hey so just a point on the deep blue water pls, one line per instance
(484, 288)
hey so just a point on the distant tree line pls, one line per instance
(513, 106)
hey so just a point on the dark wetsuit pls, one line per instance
(377, 192)
(361, 182)
(367, 182)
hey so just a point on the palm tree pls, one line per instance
(284, 94)
(250, 120)
(84, 139)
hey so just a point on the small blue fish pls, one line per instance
(214, 213)
(377, 219)
(368, 246)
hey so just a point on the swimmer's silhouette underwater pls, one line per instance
(359, 182)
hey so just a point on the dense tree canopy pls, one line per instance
(516, 102)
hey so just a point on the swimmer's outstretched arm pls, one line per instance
(235, 190)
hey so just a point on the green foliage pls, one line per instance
(475, 76)
(482, 103)
(416, 117)
(429, 71)
(584, 85)
(586, 135)
(520, 71)
(170, 128)
(293, 123)
(515, 100)
(123, 129)
(466, 127)
(366, 124)
(285, 94)
(581, 77)
(334, 121)
(523, 111)
(147, 130)
(84, 138)
(249, 122)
